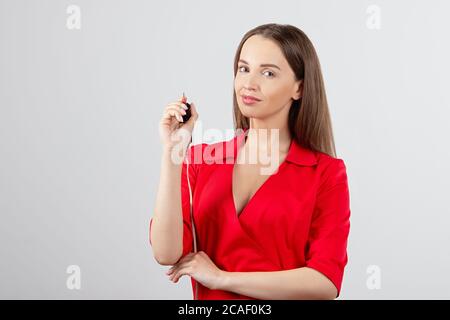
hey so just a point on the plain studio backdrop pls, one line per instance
(83, 85)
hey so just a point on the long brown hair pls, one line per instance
(309, 118)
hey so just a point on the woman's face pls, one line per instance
(264, 73)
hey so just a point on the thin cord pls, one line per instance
(191, 213)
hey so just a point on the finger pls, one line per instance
(181, 272)
(173, 113)
(187, 257)
(174, 268)
(172, 276)
(181, 265)
(179, 104)
(178, 109)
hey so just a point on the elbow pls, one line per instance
(329, 296)
(163, 258)
(328, 293)
(166, 260)
(324, 288)
(318, 295)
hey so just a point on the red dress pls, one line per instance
(299, 217)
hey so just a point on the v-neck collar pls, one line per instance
(239, 140)
(297, 154)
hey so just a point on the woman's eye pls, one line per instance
(240, 68)
(271, 74)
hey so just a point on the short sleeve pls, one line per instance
(190, 164)
(326, 249)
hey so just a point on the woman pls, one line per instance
(260, 236)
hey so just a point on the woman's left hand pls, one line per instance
(200, 267)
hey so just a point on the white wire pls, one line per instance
(191, 213)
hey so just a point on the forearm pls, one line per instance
(301, 283)
(167, 226)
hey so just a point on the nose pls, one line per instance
(250, 83)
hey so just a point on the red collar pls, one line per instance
(297, 154)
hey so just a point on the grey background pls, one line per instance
(80, 151)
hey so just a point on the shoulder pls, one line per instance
(325, 160)
(332, 169)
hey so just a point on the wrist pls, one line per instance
(173, 155)
(167, 149)
(225, 280)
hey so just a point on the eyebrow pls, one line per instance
(263, 65)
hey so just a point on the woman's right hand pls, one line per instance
(171, 123)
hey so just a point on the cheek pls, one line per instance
(237, 84)
(276, 92)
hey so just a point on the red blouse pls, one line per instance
(299, 217)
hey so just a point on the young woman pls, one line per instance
(259, 236)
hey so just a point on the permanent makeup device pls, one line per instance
(194, 236)
(188, 111)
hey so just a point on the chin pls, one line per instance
(248, 112)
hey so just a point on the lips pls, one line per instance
(249, 99)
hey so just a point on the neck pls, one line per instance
(263, 135)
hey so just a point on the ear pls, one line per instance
(299, 91)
